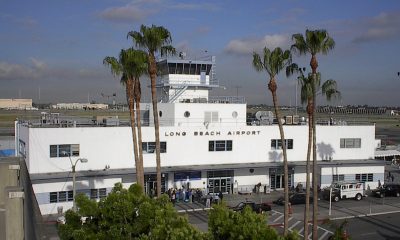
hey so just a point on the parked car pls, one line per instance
(387, 190)
(345, 190)
(295, 198)
(258, 208)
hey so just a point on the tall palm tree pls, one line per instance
(316, 41)
(154, 40)
(130, 64)
(273, 62)
(308, 89)
(306, 96)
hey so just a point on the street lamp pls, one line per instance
(82, 160)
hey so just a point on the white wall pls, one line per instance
(113, 145)
(173, 114)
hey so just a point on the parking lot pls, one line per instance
(366, 211)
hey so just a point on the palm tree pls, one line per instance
(306, 96)
(316, 41)
(130, 65)
(154, 40)
(309, 88)
(273, 62)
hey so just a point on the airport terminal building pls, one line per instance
(206, 143)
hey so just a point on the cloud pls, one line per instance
(39, 70)
(126, 14)
(22, 21)
(248, 46)
(382, 27)
(9, 71)
(195, 6)
(137, 11)
(37, 64)
(290, 16)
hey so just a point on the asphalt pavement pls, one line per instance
(368, 211)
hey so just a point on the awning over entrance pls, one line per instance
(387, 153)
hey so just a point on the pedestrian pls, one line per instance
(392, 178)
(220, 195)
(173, 197)
(208, 201)
(379, 183)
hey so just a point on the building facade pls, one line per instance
(205, 144)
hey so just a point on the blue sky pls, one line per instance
(58, 46)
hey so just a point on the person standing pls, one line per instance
(173, 197)
(220, 195)
(208, 201)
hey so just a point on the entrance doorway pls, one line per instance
(219, 181)
(277, 179)
(150, 183)
(223, 184)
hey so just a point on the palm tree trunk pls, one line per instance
(273, 87)
(139, 127)
(153, 75)
(129, 95)
(315, 167)
(307, 206)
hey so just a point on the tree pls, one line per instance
(127, 214)
(316, 41)
(309, 88)
(130, 65)
(274, 62)
(154, 40)
(306, 96)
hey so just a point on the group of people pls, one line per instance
(193, 195)
(184, 195)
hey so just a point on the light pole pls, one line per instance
(82, 160)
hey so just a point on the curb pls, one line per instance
(193, 210)
(364, 215)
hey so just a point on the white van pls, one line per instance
(344, 190)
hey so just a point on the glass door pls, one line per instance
(223, 185)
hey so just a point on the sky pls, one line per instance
(52, 51)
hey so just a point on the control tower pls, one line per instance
(185, 81)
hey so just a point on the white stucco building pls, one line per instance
(205, 143)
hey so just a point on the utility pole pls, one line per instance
(237, 91)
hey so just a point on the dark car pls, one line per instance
(387, 190)
(258, 208)
(296, 198)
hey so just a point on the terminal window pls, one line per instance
(276, 144)
(64, 150)
(365, 177)
(220, 145)
(150, 147)
(350, 143)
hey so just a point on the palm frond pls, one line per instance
(257, 63)
(114, 65)
(167, 50)
(300, 45)
(329, 89)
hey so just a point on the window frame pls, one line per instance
(276, 144)
(220, 145)
(56, 150)
(150, 147)
(350, 143)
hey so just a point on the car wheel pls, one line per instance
(336, 199)
(398, 194)
(358, 197)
